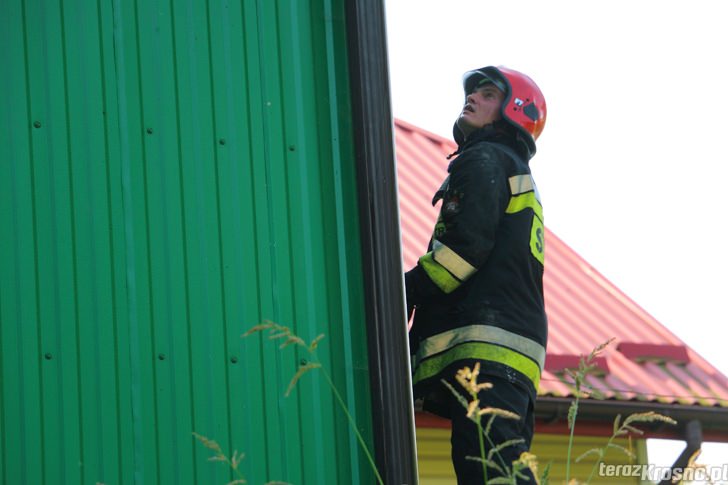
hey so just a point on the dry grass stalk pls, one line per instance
(280, 332)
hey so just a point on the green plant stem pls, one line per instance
(235, 469)
(482, 451)
(498, 455)
(352, 423)
(596, 464)
(571, 435)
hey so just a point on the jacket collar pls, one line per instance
(493, 133)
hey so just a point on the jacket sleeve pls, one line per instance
(473, 206)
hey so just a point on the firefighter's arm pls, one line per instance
(471, 221)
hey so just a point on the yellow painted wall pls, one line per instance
(435, 466)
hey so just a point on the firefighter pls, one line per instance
(477, 294)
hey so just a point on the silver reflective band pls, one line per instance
(451, 261)
(520, 184)
(481, 333)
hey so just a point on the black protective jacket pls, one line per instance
(478, 291)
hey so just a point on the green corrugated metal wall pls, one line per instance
(171, 174)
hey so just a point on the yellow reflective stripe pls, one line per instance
(483, 351)
(521, 184)
(438, 274)
(452, 261)
(525, 201)
(529, 200)
(482, 333)
(537, 239)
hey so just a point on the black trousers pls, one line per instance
(464, 439)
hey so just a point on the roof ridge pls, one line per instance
(429, 134)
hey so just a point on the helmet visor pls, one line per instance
(474, 79)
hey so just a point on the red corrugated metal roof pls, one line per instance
(646, 362)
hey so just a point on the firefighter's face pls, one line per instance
(482, 107)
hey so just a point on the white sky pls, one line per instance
(631, 164)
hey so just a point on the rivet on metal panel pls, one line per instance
(234, 359)
(162, 356)
(48, 356)
(149, 131)
(36, 124)
(303, 362)
(292, 148)
(222, 141)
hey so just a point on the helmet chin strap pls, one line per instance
(497, 125)
(460, 127)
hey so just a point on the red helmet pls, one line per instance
(524, 106)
